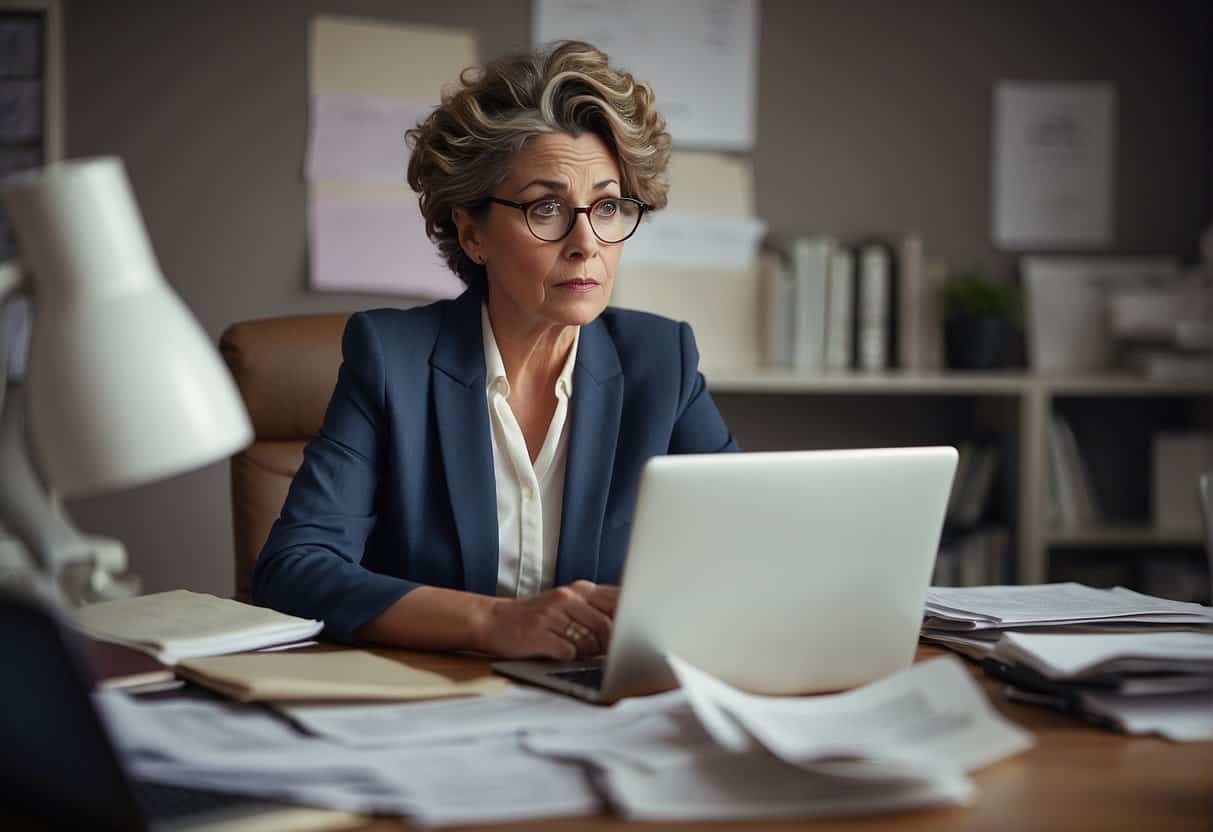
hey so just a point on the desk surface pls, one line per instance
(1076, 777)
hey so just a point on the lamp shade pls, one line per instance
(124, 386)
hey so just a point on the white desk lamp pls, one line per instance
(123, 386)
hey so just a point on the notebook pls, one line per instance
(59, 769)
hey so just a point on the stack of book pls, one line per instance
(834, 306)
(1117, 658)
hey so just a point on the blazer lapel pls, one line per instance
(463, 434)
(596, 407)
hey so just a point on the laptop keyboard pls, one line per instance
(163, 802)
(589, 677)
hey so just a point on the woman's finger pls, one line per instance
(595, 623)
(553, 645)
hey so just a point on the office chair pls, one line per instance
(285, 369)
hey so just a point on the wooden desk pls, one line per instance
(1076, 778)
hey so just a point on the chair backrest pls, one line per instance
(286, 369)
(1206, 508)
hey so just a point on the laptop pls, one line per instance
(59, 769)
(779, 573)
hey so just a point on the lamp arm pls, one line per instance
(78, 566)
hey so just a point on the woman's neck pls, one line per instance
(533, 352)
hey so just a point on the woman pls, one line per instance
(473, 484)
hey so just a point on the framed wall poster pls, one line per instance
(1053, 165)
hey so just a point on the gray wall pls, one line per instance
(872, 116)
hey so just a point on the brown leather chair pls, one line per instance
(286, 369)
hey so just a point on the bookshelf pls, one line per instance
(949, 407)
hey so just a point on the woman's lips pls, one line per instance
(578, 285)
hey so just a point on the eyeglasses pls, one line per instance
(612, 219)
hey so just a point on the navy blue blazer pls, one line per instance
(397, 490)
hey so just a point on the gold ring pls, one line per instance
(574, 631)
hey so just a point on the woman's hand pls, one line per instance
(565, 623)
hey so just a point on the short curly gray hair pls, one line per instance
(462, 150)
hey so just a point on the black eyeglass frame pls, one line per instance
(525, 207)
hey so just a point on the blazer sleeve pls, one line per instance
(310, 565)
(698, 427)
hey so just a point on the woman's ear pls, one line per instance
(469, 234)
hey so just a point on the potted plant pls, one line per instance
(980, 317)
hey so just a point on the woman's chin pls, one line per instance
(580, 308)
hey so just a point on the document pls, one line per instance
(370, 81)
(178, 625)
(757, 785)
(701, 59)
(1069, 656)
(1178, 717)
(931, 714)
(327, 675)
(244, 749)
(704, 761)
(997, 607)
(671, 238)
(1054, 146)
(518, 709)
(372, 239)
(360, 138)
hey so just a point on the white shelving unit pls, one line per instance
(1032, 397)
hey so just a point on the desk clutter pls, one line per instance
(177, 625)
(705, 751)
(1126, 661)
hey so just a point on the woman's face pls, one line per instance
(536, 283)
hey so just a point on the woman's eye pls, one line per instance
(547, 208)
(607, 208)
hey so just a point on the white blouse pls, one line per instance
(530, 497)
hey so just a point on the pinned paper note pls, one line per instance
(360, 138)
(371, 82)
(367, 242)
(701, 59)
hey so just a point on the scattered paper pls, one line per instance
(904, 742)
(516, 710)
(931, 714)
(243, 749)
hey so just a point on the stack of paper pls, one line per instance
(180, 624)
(705, 751)
(1128, 661)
